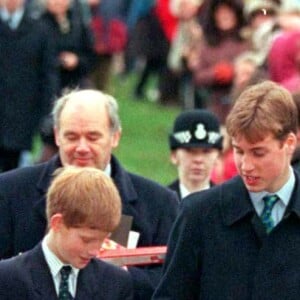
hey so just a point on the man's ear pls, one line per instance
(116, 138)
(56, 136)
(56, 222)
(291, 142)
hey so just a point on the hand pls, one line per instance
(69, 60)
(223, 72)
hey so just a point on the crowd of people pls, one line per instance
(230, 219)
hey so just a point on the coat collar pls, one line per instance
(123, 182)
(47, 173)
(41, 276)
(236, 203)
(43, 282)
(121, 178)
(294, 204)
(47, 170)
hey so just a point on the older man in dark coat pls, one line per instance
(87, 129)
(28, 80)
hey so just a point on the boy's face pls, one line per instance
(264, 165)
(76, 246)
(194, 164)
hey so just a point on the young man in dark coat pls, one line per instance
(87, 129)
(240, 239)
(28, 80)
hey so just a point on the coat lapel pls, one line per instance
(294, 204)
(237, 206)
(87, 284)
(43, 184)
(41, 277)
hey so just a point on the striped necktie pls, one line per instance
(64, 293)
(266, 215)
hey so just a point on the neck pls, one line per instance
(195, 186)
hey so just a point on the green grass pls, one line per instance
(144, 144)
(143, 147)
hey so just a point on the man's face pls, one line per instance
(12, 5)
(264, 165)
(84, 137)
(194, 164)
(58, 7)
(76, 245)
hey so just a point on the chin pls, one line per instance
(81, 264)
(255, 189)
(83, 163)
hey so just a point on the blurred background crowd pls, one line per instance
(201, 54)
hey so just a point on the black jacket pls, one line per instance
(28, 81)
(23, 222)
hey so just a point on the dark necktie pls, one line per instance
(266, 215)
(9, 20)
(64, 293)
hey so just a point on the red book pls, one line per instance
(134, 257)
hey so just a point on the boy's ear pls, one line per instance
(56, 222)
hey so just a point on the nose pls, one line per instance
(94, 249)
(198, 157)
(82, 145)
(246, 163)
(94, 252)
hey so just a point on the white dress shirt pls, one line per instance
(184, 192)
(15, 17)
(284, 195)
(55, 264)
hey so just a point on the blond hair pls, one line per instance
(85, 197)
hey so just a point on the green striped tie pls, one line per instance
(64, 293)
(266, 215)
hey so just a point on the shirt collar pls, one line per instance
(54, 263)
(184, 192)
(16, 16)
(284, 193)
(107, 170)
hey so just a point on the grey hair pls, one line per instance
(109, 101)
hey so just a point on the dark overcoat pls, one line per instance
(219, 250)
(28, 81)
(175, 186)
(28, 277)
(23, 222)
(78, 40)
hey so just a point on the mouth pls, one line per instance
(82, 160)
(197, 171)
(84, 261)
(251, 180)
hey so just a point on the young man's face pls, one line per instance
(264, 165)
(77, 246)
(194, 164)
